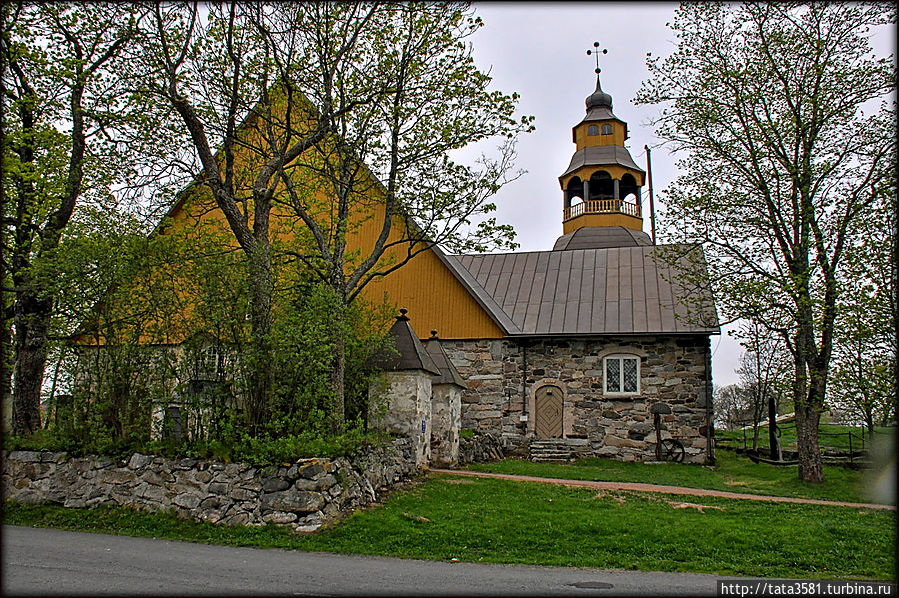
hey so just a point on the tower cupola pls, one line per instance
(599, 98)
(602, 185)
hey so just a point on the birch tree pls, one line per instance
(783, 117)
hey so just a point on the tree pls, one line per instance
(863, 378)
(730, 406)
(770, 104)
(61, 111)
(295, 96)
(394, 153)
(763, 372)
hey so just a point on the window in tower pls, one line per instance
(592, 130)
(607, 129)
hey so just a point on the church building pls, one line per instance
(597, 341)
(595, 347)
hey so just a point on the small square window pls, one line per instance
(592, 130)
(622, 374)
(607, 129)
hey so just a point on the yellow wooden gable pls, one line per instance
(435, 297)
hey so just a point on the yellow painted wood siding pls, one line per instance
(435, 298)
(569, 226)
(425, 286)
(619, 133)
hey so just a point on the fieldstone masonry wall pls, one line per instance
(672, 370)
(408, 410)
(446, 414)
(304, 495)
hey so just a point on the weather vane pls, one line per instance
(596, 52)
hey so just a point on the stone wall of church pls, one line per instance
(672, 370)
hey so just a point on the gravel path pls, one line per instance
(637, 487)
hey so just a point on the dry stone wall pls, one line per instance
(304, 494)
(672, 370)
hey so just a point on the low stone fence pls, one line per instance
(483, 447)
(304, 494)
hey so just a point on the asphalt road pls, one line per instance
(47, 562)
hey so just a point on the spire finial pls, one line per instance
(433, 335)
(403, 317)
(595, 51)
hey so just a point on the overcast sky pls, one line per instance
(540, 51)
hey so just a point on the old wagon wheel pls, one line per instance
(672, 450)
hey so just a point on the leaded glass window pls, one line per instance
(622, 374)
(613, 375)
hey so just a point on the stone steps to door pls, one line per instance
(556, 451)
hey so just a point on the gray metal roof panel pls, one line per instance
(599, 155)
(626, 290)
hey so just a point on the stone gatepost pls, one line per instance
(446, 406)
(403, 404)
(406, 404)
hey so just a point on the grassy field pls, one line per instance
(488, 520)
(732, 473)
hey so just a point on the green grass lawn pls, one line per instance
(498, 521)
(732, 472)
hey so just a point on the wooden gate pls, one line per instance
(548, 412)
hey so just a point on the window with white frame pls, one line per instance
(622, 374)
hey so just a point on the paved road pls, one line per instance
(47, 562)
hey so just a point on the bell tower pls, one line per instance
(601, 186)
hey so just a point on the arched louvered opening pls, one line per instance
(601, 186)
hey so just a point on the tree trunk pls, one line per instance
(869, 421)
(773, 443)
(338, 387)
(32, 321)
(810, 466)
(338, 365)
(261, 286)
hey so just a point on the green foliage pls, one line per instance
(162, 322)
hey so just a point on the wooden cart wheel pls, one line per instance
(672, 450)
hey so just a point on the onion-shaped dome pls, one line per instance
(599, 98)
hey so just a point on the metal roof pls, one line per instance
(601, 237)
(624, 290)
(599, 155)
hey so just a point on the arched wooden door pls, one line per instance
(548, 412)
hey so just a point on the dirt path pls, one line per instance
(637, 487)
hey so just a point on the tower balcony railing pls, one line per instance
(603, 206)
